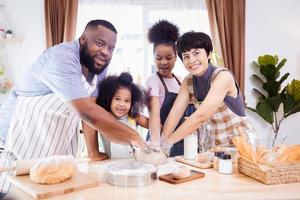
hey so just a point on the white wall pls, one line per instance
(272, 27)
(27, 19)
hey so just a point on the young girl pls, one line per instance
(123, 99)
(163, 86)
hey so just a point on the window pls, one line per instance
(133, 53)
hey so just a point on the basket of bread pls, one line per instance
(278, 165)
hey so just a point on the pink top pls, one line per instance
(156, 87)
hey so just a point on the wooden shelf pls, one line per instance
(11, 40)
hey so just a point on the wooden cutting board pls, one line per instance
(79, 181)
(169, 178)
(194, 163)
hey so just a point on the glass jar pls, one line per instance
(225, 164)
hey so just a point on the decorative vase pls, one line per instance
(272, 139)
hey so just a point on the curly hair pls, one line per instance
(163, 32)
(194, 40)
(109, 86)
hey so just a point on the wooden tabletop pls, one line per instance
(213, 186)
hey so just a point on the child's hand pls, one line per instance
(100, 156)
(154, 144)
(164, 143)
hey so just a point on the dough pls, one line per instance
(181, 172)
(154, 157)
(54, 169)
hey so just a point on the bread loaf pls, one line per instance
(54, 169)
(290, 154)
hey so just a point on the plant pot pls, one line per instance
(8, 36)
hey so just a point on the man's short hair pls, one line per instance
(101, 22)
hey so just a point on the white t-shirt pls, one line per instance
(156, 88)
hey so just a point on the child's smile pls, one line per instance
(121, 102)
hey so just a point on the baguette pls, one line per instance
(244, 148)
(290, 155)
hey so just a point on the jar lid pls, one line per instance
(219, 153)
(225, 156)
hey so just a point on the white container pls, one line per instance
(129, 174)
(8, 36)
(225, 164)
(190, 147)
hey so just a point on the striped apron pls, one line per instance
(221, 127)
(42, 126)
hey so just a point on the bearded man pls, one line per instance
(40, 117)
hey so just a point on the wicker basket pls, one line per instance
(275, 175)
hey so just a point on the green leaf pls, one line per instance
(265, 111)
(281, 64)
(272, 87)
(288, 101)
(255, 64)
(252, 109)
(283, 78)
(269, 71)
(262, 96)
(294, 89)
(267, 60)
(274, 102)
(295, 109)
(256, 77)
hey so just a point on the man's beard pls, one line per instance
(87, 60)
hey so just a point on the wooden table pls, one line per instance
(212, 186)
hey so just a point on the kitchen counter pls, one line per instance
(212, 186)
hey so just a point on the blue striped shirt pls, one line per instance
(57, 70)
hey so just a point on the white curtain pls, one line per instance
(132, 19)
(152, 4)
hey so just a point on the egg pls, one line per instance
(181, 172)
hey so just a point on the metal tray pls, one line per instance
(130, 174)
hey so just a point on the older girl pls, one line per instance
(163, 86)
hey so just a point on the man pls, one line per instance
(58, 90)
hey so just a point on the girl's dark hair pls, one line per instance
(163, 32)
(194, 40)
(109, 86)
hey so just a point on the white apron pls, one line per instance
(114, 150)
(42, 126)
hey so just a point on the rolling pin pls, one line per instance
(21, 167)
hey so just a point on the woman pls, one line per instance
(214, 91)
(163, 86)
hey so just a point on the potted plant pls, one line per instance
(273, 95)
(8, 34)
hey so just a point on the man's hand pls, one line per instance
(139, 142)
